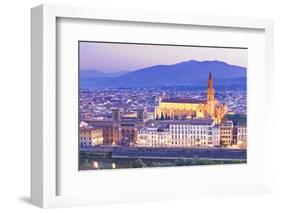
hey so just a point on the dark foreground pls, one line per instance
(109, 157)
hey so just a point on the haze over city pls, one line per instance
(116, 57)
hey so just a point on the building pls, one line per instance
(192, 108)
(154, 137)
(90, 136)
(150, 115)
(121, 128)
(234, 135)
(226, 133)
(142, 114)
(117, 114)
(111, 130)
(195, 133)
(129, 129)
(181, 133)
(242, 136)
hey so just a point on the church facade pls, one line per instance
(192, 108)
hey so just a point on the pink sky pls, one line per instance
(115, 57)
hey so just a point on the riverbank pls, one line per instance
(122, 163)
(113, 157)
(165, 152)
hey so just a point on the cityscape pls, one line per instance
(192, 112)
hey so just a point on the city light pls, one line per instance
(113, 166)
(95, 164)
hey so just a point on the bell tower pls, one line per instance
(210, 96)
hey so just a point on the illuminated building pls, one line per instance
(154, 137)
(242, 136)
(226, 133)
(120, 129)
(192, 108)
(234, 135)
(90, 136)
(181, 133)
(129, 128)
(111, 130)
(195, 133)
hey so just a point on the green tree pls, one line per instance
(138, 164)
(182, 162)
(237, 119)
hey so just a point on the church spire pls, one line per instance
(210, 96)
(210, 81)
(210, 75)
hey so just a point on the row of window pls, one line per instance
(87, 144)
(228, 132)
(85, 138)
(225, 137)
(202, 137)
(242, 130)
(154, 142)
(191, 132)
(154, 133)
(159, 137)
(188, 126)
(175, 144)
(154, 145)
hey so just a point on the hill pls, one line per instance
(187, 73)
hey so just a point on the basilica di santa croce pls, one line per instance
(170, 108)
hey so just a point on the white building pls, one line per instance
(242, 136)
(194, 133)
(154, 137)
(185, 133)
(216, 135)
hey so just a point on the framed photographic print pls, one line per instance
(148, 105)
(155, 105)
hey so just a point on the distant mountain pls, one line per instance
(115, 74)
(99, 74)
(241, 81)
(91, 74)
(187, 73)
(91, 82)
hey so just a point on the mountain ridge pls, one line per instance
(186, 73)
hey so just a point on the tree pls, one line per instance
(138, 164)
(237, 119)
(182, 162)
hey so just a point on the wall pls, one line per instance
(15, 99)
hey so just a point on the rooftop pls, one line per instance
(89, 128)
(204, 121)
(183, 100)
(160, 127)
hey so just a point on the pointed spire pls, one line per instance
(210, 75)
(210, 81)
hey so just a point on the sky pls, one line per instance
(116, 57)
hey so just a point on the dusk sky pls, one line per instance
(110, 57)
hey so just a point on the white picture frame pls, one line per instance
(44, 149)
